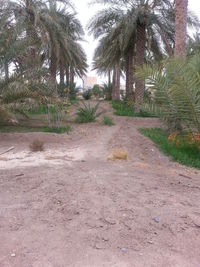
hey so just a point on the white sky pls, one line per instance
(85, 12)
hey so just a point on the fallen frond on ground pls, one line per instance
(119, 154)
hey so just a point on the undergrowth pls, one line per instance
(87, 113)
(25, 129)
(185, 154)
(124, 109)
(108, 121)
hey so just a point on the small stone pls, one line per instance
(156, 220)
(124, 250)
(13, 255)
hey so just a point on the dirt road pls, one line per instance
(70, 206)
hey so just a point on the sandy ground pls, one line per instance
(70, 206)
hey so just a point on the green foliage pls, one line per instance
(41, 109)
(175, 86)
(144, 114)
(73, 91)
(22, 129)
(87, 113)
(97, 91)
(185, 154)
(59, 130)
(107, 91)
(193, 46)
(87, 94)
(34, 36)
(108, 121)
(122, 109)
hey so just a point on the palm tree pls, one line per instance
(43, 33)
(107, 58)
(137, 19)
(194, 45)
(181, 28)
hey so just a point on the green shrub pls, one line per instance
(108, 121)
(96, 90)
(86, 113)
(26, 129)
(73, 91)
(42, 109)
(185, 154)
(107, 91)
(59, 130)
(175, 86)
(87, 94)
(122, 109)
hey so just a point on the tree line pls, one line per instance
(41, 40)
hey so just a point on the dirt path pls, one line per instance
(70, 206)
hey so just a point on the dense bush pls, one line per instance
(87, 94)
(107, 91)
(96, 90)
(180, 150)
(108, 121)
(87, 113)
(175, 86)
(73, 91)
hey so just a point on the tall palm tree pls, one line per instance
(45, 34)
(181, 28)
(137, 19)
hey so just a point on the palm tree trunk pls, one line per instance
(109, 77)
(116, 81)
(62, 74)
(181, 28)
(6, 68)
(129, 73)
(67, 75)
(31, 34)
(113, 81)
(140, 54)
(53, 66)
(71, 75)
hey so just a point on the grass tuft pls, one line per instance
(122, 109)
(86, 113)
(108, 121)
(186, 154)
(26, 129)
(59, 130)
(37, 146)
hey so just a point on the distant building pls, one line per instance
(89, 82)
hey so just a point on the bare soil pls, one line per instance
(71, 206)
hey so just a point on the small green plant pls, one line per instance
(59, 130)
(26, 129)
(87, 94)
(185, 153)
(175, 87)
(122, 109)
(107, 91)
(108, 121)
(73, 91)
(41, 109)
(96, 90)
(87, 113)
(145, 114)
